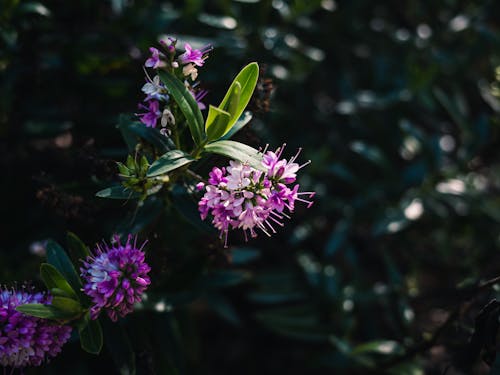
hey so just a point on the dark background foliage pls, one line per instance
(394, 103)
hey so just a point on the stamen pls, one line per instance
(306, 163)
(296, 155)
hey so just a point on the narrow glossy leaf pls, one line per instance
(168, 162)
(187, 105)
(217, 123)
(131, 129)
(237, 151)
(66, 304)
(44, 311)
(52, 278)
(236, 100)
(117, 192)
(240, 124)
(91, 336)
(76, 248)
(57, 257)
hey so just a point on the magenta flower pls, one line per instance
(115, 278)
(242, 197)
(26, 340)
(152, 114)
(154, 61)
(195, 56)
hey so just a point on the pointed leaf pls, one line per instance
(77, 249)
(240, 124)
(52, 278)
(117, 192)
(187, 105)
(44, 311)
(57, 257)
(217, 123)
(168, 162)
(237, 151)
(91, 336)
(247, 80)
(66, 304)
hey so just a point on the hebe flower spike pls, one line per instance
(115, 277)
(27, 340)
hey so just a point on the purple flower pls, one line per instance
(26, 340)
(152, 114)
(154, 61)
(242, 197)
(198, 96)
(194, 56)
(115, 278)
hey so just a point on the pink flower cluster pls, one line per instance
(242, 197)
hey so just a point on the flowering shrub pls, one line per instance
(257, 191)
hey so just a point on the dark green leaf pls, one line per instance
(57, 257)
(52, 278)
(187, 105)
(131, 129)
(90, 335)
(68, 305)
(117, 192)
(240, 124)
(44, 311)
(168, 162)
(76, 248)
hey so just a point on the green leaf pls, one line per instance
(57, 257)
(52, 278)
(66, 304)
(131, 129)
(385, 347)
(244, 255)
(237, 151)
(76, 248)
(91, 336)
(240, 124)
(44, 311)
(168, 162)
(217, 123)
(187, 105)
(117, 192)
(240, 92)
